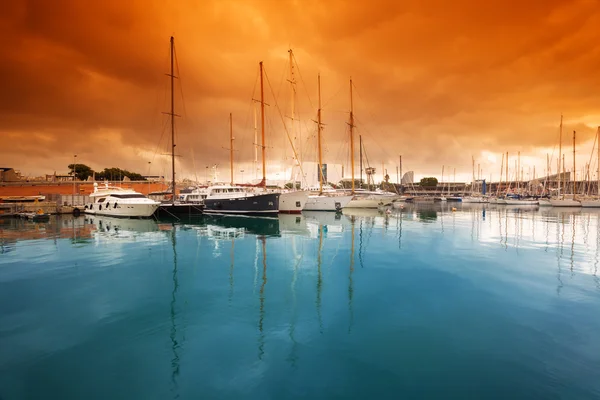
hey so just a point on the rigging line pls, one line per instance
(283, 122)
(334, 96)
(372, 137)
(303, 83)
(163, 130)
(369, 110)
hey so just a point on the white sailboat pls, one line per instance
(324, 201)
(570, 200)
(595, 202)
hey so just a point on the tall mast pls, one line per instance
(361, 166)
(172, 75)
(262, 127)
(501, 171)
(598, 171)
(519, 171)
(560, 152)
(319, 138)
(507, 181)
(400, 170)
(231, 145)
(564, 176)
(255, 141)
(574, 170)
(293, 111)
(352, 135)
(547, 172)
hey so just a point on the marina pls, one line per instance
(286, 304)
(277, 200)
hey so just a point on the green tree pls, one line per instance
(82, 171)
(429, 182)
(116, 174)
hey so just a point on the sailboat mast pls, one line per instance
(255, 141)
(560, 152)
(352, 135)
(361, 166)
(501, 171)
(574, 170)
(231, 145)
(262, 128)
(319, 138)
(547, 172)
(598, 171)
(293, 111)
(172, 121)
(507, 181)
(564, 176)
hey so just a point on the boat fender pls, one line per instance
(453, 208)
(76, 212)
(115, 206)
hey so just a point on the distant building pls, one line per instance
(59, 178)
(9, 175)
(408, 178)
(154, 178)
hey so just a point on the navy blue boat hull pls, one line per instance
(262, 204)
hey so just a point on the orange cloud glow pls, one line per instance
(435, 81)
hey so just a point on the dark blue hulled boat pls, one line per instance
(227, 199)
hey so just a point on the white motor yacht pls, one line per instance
(120, 202)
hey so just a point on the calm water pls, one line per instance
(424, 303)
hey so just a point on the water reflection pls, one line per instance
(272, 295)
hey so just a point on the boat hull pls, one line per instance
(292, 202)
(123, 210)
(365, 202)
(522, 202)
(565, 203)
(590, 203)
(326, 203)
(544, 203)
(261, 204)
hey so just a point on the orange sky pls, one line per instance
(436, 81)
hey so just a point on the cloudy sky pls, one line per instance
(437, 82)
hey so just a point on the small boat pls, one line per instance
(39, 215)
(229, 199)
(115, 201)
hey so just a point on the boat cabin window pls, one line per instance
(129, 196)
(101, 200)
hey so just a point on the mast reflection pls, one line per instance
(350, 283)
(173, 333)
(261, 339)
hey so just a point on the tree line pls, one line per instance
(83, 172)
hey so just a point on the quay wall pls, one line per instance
(66, 188)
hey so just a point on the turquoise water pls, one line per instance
(491, 303)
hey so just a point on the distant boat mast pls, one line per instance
(352, 135)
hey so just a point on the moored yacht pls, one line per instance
(120, 202)
(292, 202)
(229, 199)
